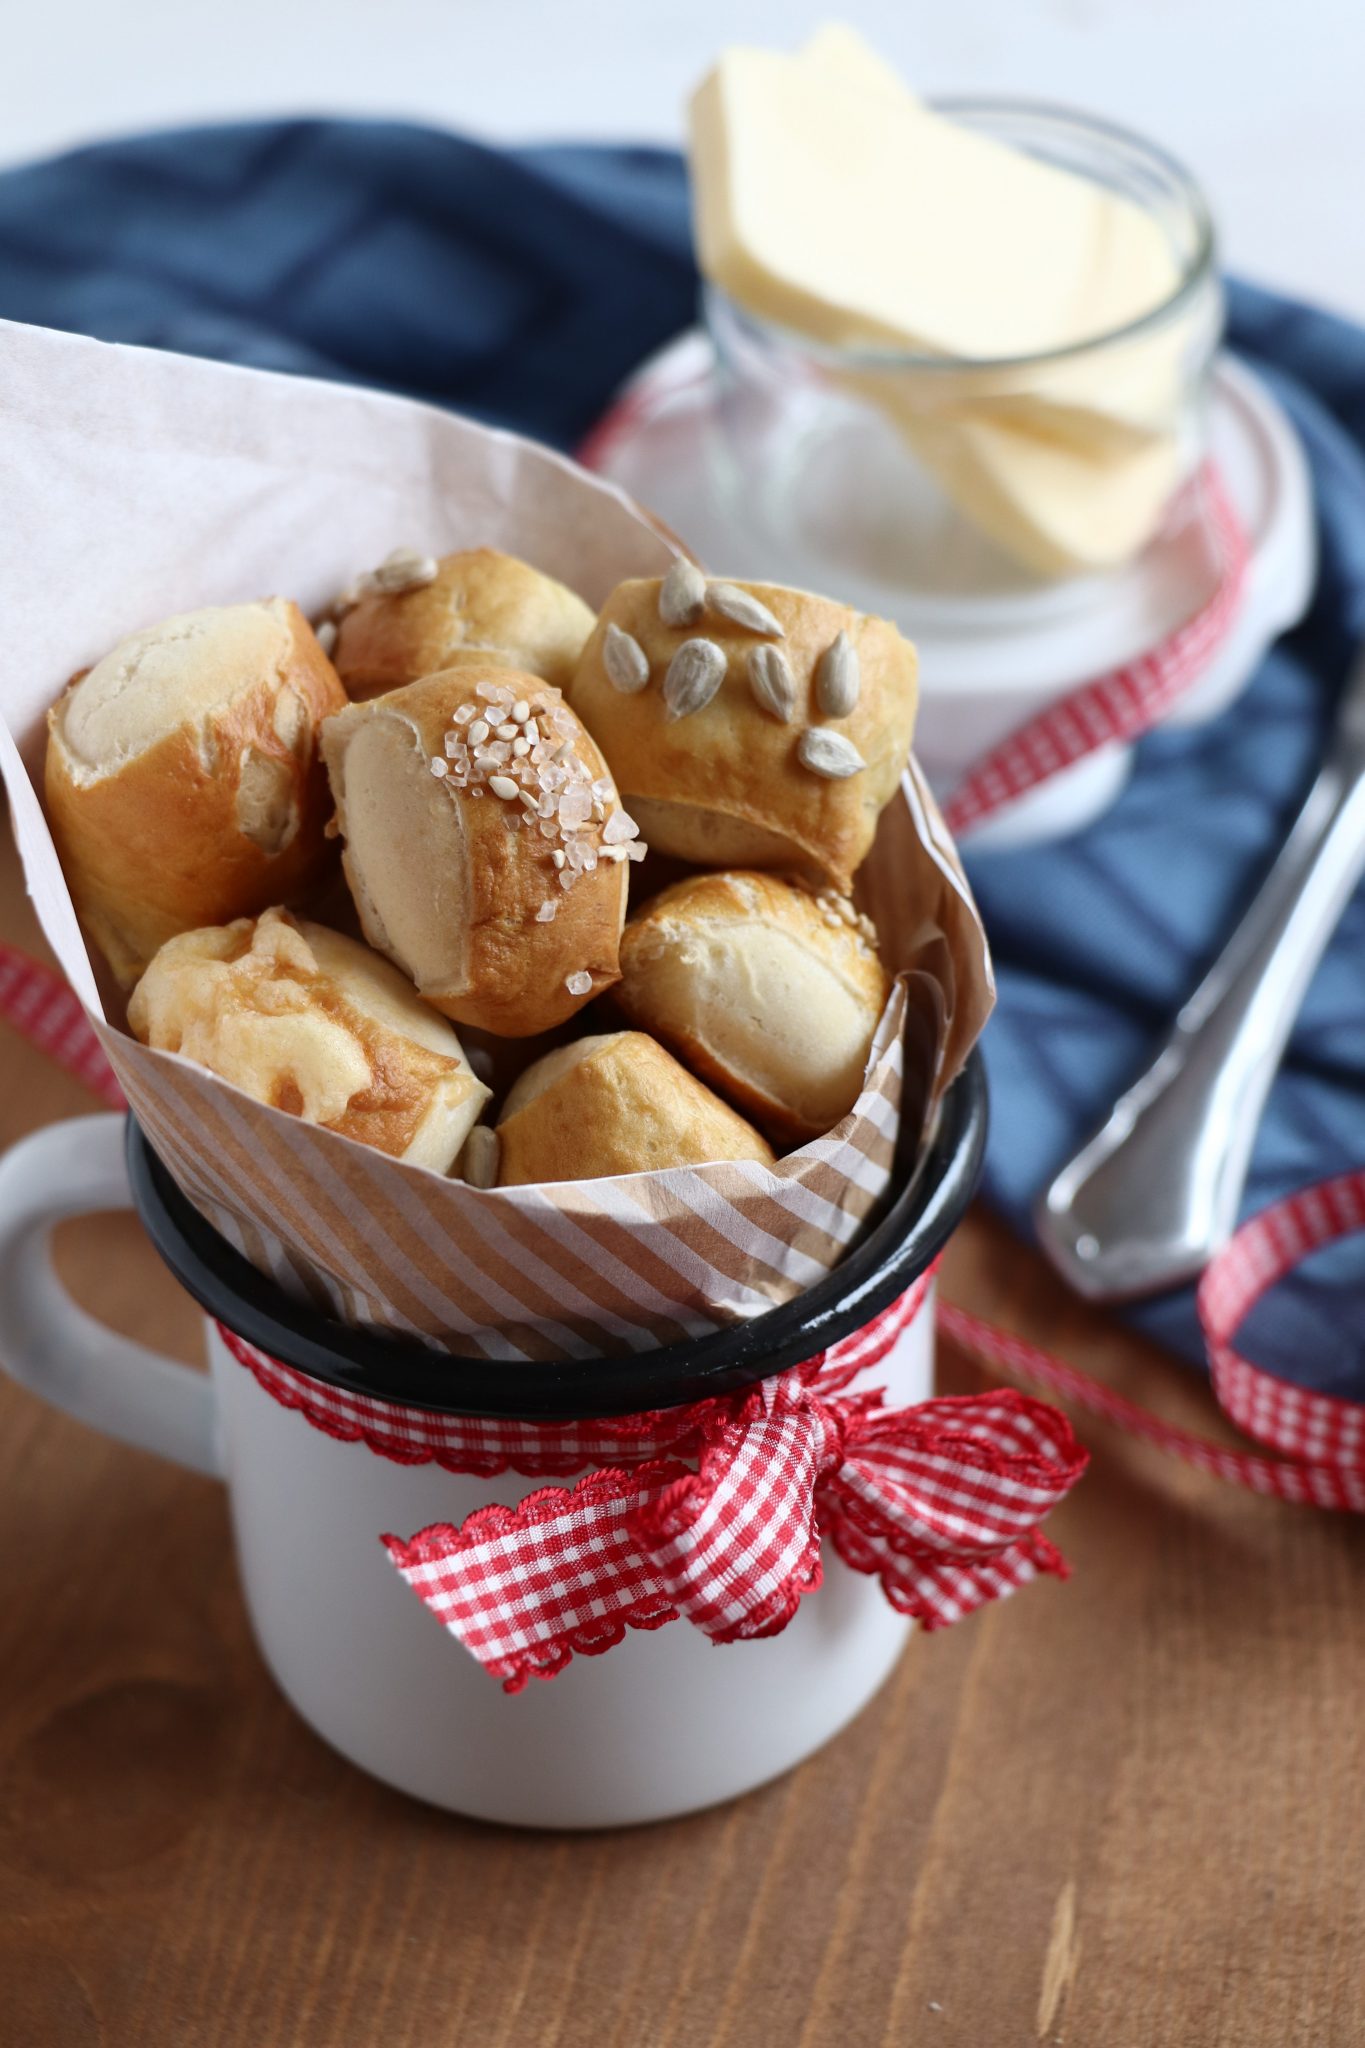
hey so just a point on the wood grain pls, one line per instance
(1124, 1813)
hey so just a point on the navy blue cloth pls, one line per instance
(522, 286)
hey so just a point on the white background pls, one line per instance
(1264, 99)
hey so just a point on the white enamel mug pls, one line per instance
(663, 1723)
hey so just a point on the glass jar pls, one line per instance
(919, 485)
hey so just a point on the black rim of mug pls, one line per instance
(924, 1212)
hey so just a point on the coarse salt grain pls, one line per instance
(478, 732)
(619, 826)
(578, 984)
(546, 912)
(439, 767)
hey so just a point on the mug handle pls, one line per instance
(54, 1348)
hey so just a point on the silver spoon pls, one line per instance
(1154, 1193)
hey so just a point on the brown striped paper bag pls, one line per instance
(139, 484)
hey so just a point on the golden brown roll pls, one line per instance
(768, 991)
(501, 898)
(764, 729)
(615, 1104)
(478, 606)
(316, 1025)
(184, 785)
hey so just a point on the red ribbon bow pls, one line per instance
(940, 1501)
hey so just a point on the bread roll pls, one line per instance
(615, 1104)
(731, 782)
(504, 918)
(315, 1025)
(184, 785)
(767, 991)
(480, 607)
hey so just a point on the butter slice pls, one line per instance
(859, 217)
(1056, 508)
(830, 200)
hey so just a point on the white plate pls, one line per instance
(988, 664)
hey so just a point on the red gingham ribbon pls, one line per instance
(1321, 1437)
(43, 1009)
(1128, 700)
(940, 1502)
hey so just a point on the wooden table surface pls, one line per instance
(1124, 1812)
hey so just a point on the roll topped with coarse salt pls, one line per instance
(486, 847)
(747, 725)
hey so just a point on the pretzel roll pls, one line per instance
(184, 785)
(615, 1104)
(495, 878)
(768, 731)
(316, 1025)
(480, 607)
(767, 991)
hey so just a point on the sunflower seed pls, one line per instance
(325, 633)
(838, 678)
(481, 1157)
(682, 594)
(742, 609)
(625, 661)
(826, 752)
(404, 569)
(694, 675)
(770, 679)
